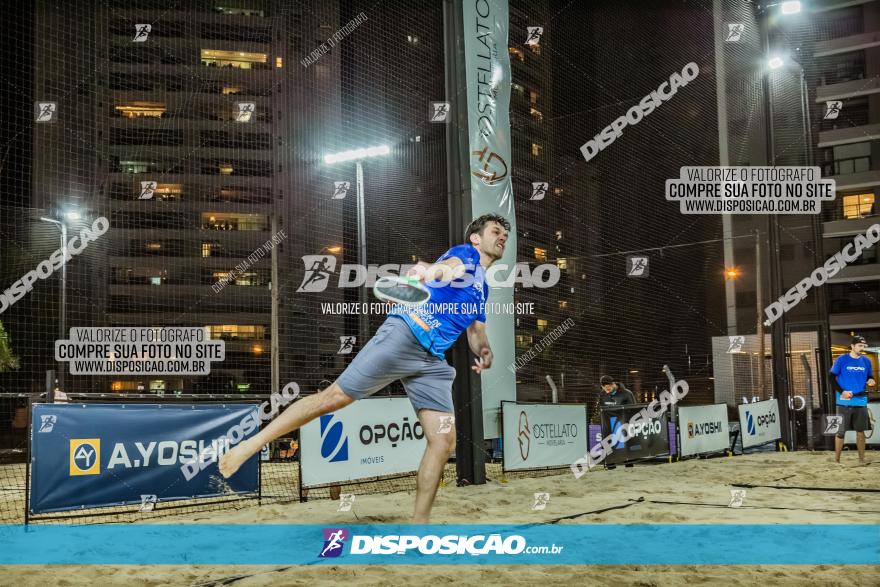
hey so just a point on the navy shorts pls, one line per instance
(394, 353)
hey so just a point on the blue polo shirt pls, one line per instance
(852, 375)
(438, 330)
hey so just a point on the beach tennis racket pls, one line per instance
(406, 291)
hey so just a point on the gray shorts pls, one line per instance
(394, 353)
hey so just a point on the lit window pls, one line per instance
(136, 166)
(540, 254)
(154, 246)
(542, 325)
(518, 88)
(563, 304)
(141, 109)
(533, 97)
(562, 263)
(234, 221)
(858, 205)
(559, 235)
(238, 59)
(523, 340)
(279, 62)
(225, 169)
(116, 386)
(536, 114)
(232, 90)
(558, 191)
(155, 280)
(169, 191)
(536, 149)
(206, 249)
(412, 39)
(257, 349)
(233, 331)
(517, 52)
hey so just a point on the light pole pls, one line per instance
(358, 155)
(50, 398)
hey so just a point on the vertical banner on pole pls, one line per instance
(487, 74)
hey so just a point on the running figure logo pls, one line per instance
(541, 501)
(735, 344)
(318, 271)
(734, 32)
(47, 423)
(832, 109)
(148, 503)
(346, 500)
(45, 111)
(142, 31)
(439, 112)
(148, 188)
(534, 35)
(832, 425)
(346, 344)
(446, 423)
(539, 190)
(245, 111)
(340, 188)
(334, 540)
(736, 498)
(636, 266)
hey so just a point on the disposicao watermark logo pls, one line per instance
(635, 114)
(641, 423)
(832, 266)
(320, 268)
(45, 269)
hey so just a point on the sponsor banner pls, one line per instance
(543, 544)
(703, 429)
(871, 437)
(650, 437)
(94, 455)
(487, 78)
(372, 437)
(759, 422)
(543, 435)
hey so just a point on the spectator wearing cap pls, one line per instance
(853, 373)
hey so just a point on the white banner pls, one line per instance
(368, 438)
(759, 422)
(871, 436)
(487, 76)
(543, 435)
(703, 429)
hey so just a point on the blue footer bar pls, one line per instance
(264, 544)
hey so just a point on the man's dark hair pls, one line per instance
(606, 380)
(479, 224)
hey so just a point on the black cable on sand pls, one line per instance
(847, 489)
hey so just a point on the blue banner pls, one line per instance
(93, 455)
(507, 544)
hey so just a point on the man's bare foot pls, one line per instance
(235, 458)
(864, 462)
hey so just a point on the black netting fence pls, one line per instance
(198, 130)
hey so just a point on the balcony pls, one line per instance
(845, 136)
(847, 90)
(847, 44)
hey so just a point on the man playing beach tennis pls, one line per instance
(410, 347)
(853, 371)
